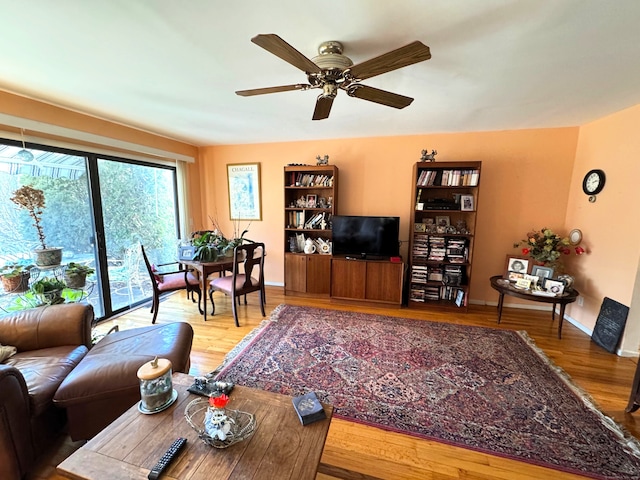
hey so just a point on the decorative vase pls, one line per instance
(48, 257)
(309, 246)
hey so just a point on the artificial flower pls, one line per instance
(219, 402)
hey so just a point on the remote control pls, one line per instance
(166, 459)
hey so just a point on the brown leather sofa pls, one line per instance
(57, 378)
(50, 341)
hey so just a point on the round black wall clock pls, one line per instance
(593, 183)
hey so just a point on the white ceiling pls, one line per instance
(171, 67)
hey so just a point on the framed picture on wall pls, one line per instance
(244, 191)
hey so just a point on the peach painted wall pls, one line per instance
(531, 179)
(526, 178)
(611, 225)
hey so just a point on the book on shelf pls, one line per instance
(449, 178)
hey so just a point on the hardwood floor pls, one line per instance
(355, 451)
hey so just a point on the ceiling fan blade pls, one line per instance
(401, 57)
(323, 107)
(274, 44)
(262, 91)
(379, 96)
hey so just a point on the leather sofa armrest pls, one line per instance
(16, 444)
(48, 326)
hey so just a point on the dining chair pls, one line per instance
(247, 277)
(164, 282)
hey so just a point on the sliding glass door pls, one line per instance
(138, 207)
(99, 210)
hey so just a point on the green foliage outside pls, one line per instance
(138, 206)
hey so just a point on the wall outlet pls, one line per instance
(580, 301)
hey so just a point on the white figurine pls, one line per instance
(217, 424)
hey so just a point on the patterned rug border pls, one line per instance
(630, 443)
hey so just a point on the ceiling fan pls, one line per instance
(330, 71)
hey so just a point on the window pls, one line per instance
(98, 209)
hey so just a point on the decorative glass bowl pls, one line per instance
(241, 424)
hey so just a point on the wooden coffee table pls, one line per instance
(280, 447)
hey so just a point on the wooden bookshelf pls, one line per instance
(310, 201)
(443, 223)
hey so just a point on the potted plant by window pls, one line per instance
(206, 249)
(32, 200)
(48, 290)
(75, 274)
(15, 277)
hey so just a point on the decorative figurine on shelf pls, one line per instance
(428, 157)
(322, 161)
(301, 202)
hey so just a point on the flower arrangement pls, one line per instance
(546, 247)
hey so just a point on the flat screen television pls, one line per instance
(365, 236)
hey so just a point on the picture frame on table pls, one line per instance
(541, 271)
(244, 191)
(516, 267)
(553, 286)
(467, 203)
(186, 252)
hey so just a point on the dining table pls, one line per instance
(220, 265)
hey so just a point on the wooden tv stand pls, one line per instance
(377, 281)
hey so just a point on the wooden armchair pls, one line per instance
(172, 281)
(247, 277)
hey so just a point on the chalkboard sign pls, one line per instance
(610, 324)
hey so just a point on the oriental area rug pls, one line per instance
(480, 388)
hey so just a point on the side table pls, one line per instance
(504, 287)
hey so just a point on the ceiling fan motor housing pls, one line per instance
(331, 57)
